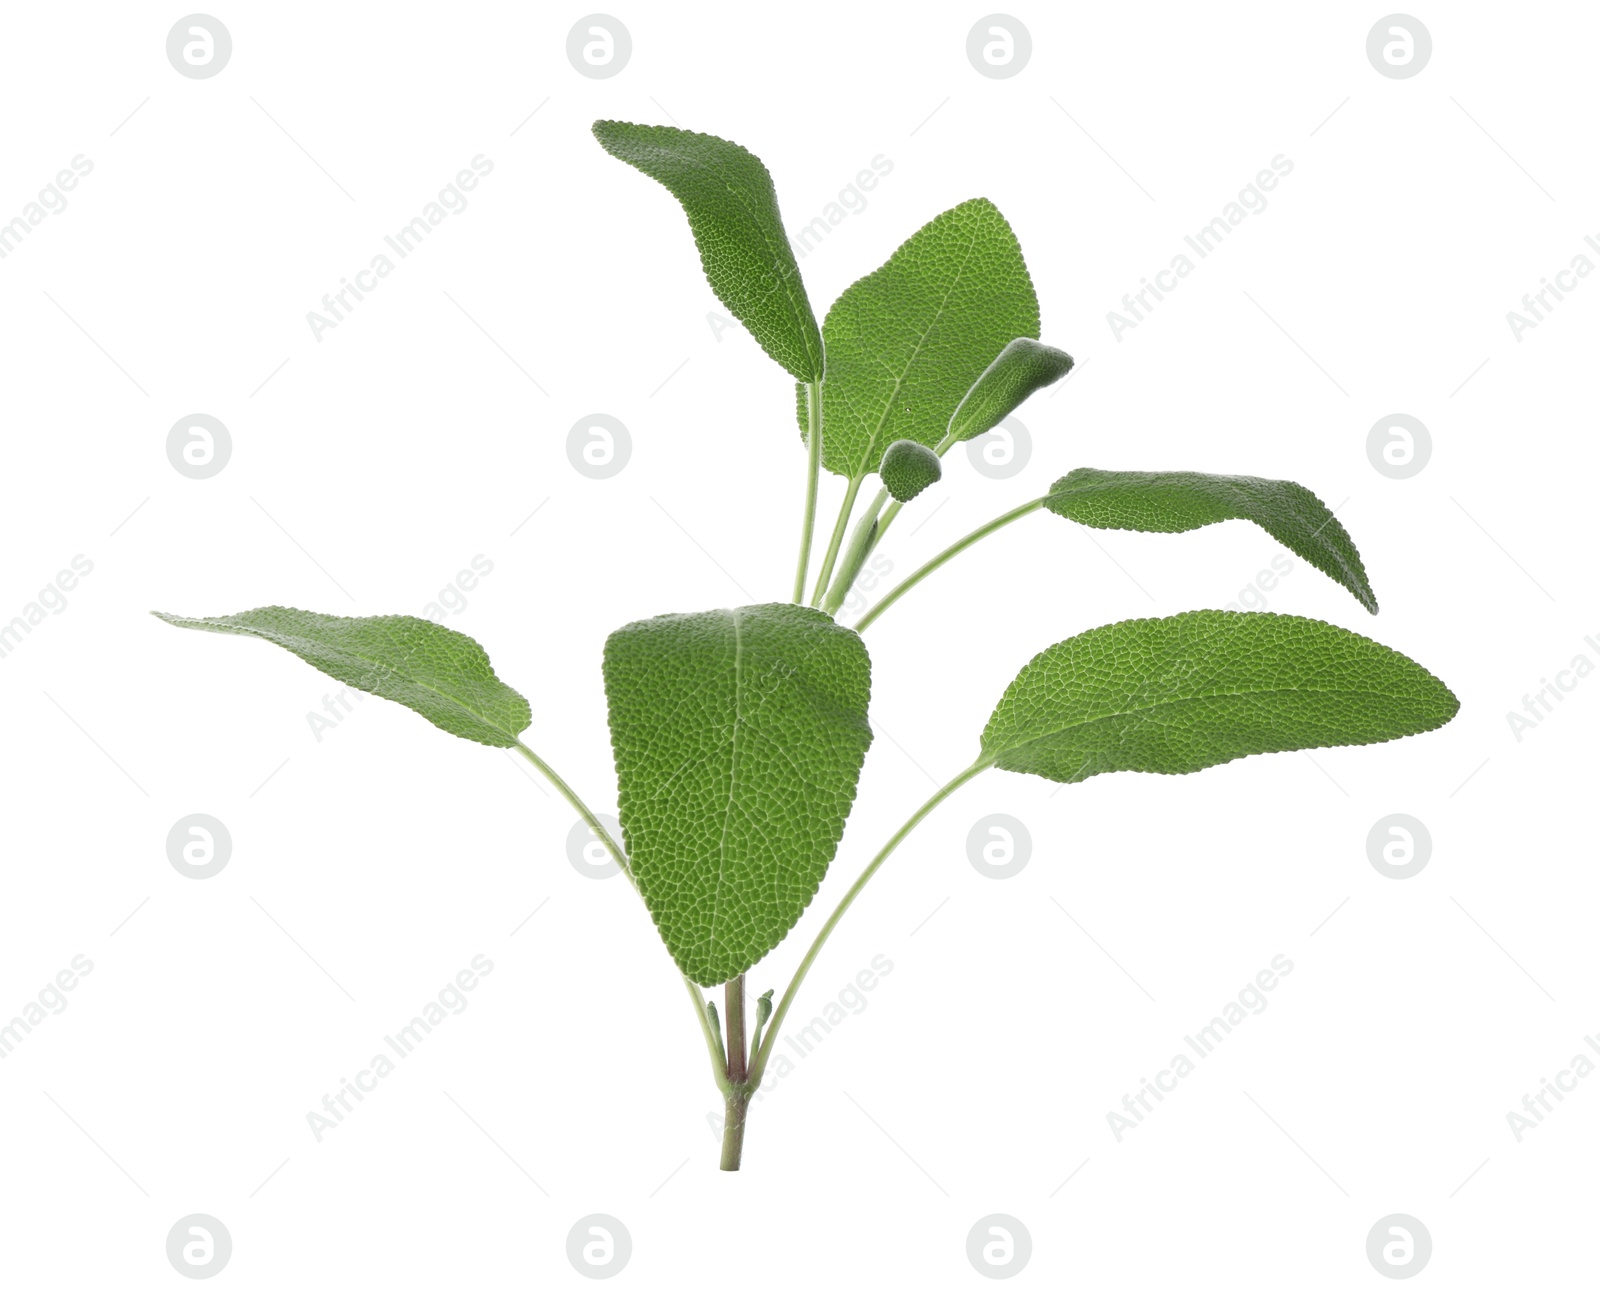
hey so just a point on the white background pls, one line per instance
(371, 866)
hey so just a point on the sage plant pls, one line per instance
(739, 734)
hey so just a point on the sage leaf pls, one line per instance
(907, 342)
(1179, 694)
(1171, 502)
(728, 195)
(738, 737)
(1022, 368)
(908, 469)
(441, 674)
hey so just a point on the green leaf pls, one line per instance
(1176, 501)
(908, 469)
(1022, 368)
(441, 674)
(1183, 693)
(907, 342)
(733, 213)
(738, 737)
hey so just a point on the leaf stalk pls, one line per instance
(846, 507)
(718, 1068)
(813, 475)
(759, 1066)
(934, 563)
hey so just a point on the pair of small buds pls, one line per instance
(763, 1013)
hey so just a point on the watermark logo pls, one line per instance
(852, 201)
(52, 201)
(998, 846)
(50, 1000)
(1399, 46)
(999, 46)
(199, 846)
(199, 1246)
(336, 708)
(878, 568)
(452, 598)
(1253, 596)
(999, 1246)
(51, 599)
(1203, 1042)
(1537, 1105)
(851, 999)
(1002, 453)
(599, 46)
(451, 999)
(599, 1246)
(1536, 306)
(598, 446)
(1539, 706)
(451, 200)
(1399, 846)
(1399, 446)
(199, 446)
(1251, 200)
(199, 46)
(1399, 1246)
(587, 852)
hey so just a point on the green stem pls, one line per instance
(594, 824)
(813, 475)
(738, 1057)
(929, 567)
(845, 509)
(736, 1103)
(862, 541)
(735, 1109)
(759, 1066)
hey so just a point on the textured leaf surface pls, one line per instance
(738, 737)
(441, 674)
(906, 343)
(1023, 367)
(733, 213)
(1183, 693)
(1178, 501)
(908, 469)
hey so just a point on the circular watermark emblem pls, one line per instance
(1398, 846)
(998, 846)
(999, 46)
(199, 446)
(599, 1246)
(999, 1246)
(1399, 446)
(587, 852)
(199, 46)
(1399, 1246)
(599, 46)
(199, 1246)
(1399, 46)
(598, 446)
(1003, 452)
(198, 846)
